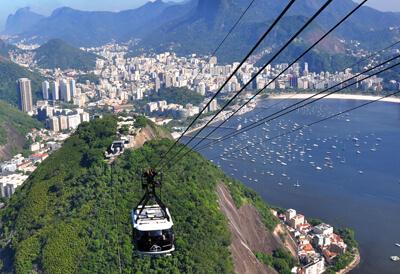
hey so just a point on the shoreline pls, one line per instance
(297, 96)
(352, 265)
(221, 117)
(340, 96)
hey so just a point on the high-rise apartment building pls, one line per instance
(45, 90)
(201, 89)
(65, 91)
(213, 106)
(63, 122)
(85, 117)
(72, 87)
(25, 94)
(305, 73)
(157, 84)
(54, 124)
(55, 90)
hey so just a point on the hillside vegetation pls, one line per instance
(181, 96)
(58, 54)
(14, 125)
(5, 48)
(73, 214)
(9, 74)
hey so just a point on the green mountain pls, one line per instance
(58, 54)
(14, 125)
(89, 28)
(198, 26)
(73, 214)
(206, 25)
(9, 74)
(4, 49)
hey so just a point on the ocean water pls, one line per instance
(347, 170)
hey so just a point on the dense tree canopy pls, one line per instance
(73, 215)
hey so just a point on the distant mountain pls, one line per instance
(198, 26)
(87, 28)
(14, 125)
(21, 21)
(201, 29)
(58, 54)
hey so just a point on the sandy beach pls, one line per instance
(299, 96)
(335, 96)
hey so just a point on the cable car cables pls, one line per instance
(271, 60)
(309, 21)
(291, 2)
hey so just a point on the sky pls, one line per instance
(47, 6)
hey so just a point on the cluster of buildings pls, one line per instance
(301, 78)
(138, 75)
(173, 110)
(59, 90)
(141, 74)
(318, 246)
(57, 119)
(14, 172)
(62, 90)
(162, 108)
(123, 79)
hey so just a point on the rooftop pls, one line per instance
(151, 218)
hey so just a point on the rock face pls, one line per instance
(149, 133)
(249, 235)
(21, 21)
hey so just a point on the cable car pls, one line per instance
(115, 149)
(151, 220)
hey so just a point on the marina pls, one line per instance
(337, 171)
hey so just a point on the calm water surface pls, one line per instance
(348, 170)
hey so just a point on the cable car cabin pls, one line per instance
(115, 149)
(152, 230)
(151, 220)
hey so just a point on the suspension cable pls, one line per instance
(163, 157)
(264, 120)
(287, 110)
(282, 72)
(255, 76)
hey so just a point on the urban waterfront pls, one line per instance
(344, 171)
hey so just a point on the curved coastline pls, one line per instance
(352, 265)
(299, 96)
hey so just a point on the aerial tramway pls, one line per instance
(151, 220)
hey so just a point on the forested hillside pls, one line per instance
(73, 215)
(58, 54)
(14, 125)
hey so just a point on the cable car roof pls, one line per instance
(151, 219)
